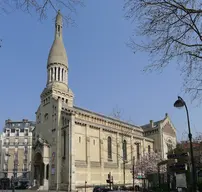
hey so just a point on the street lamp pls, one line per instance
(178, 104)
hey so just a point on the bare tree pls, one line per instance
(172, 32)
(41, 6)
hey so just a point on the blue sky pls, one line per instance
(103, 72)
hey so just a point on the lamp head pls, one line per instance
(179, 103)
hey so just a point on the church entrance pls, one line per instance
(38, 169)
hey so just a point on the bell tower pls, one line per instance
(57, 69)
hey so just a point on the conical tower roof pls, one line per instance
(57, 52)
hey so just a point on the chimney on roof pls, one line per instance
(8, 120)
(151, 123)
(166, 115)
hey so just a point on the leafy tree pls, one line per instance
(172, 32)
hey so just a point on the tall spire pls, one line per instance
(58, 25)
(57, 64)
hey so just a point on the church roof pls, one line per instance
(155, 124)
(107, 117)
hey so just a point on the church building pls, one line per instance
(74, 148)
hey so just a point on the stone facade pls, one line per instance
(16, 149)
(74, 147)
(163, 133)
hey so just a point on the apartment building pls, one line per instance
(16, 149)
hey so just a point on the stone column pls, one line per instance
(119, 159)
(45, 181)
(53, 74)
(65, 76)
(102, 156)
(46, 162)
(88, 155)
(49, 73)
(60, 74)
(58, 145)
(72, 153)
(132, 148)
(56, 73)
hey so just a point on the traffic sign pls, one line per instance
(177, 156)
(178, 167)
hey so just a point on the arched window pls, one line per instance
(109, 148)
(169, 145)
(149, 149)
(124, 150)
(46, 117)
(47, 171)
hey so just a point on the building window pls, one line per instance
(149, 149)
(8, 133)
(79, 139)
(24, 175)
(169, 146)
(26, 132)
(138, 151)
(124, 150)
(46, 117)
(109, 148)
(25, 141)
(15, 175)
(17, 132)
(59, 29)
(26, 150)
(93, 141)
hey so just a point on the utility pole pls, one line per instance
(133, 173)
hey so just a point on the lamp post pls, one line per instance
(181, 103)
